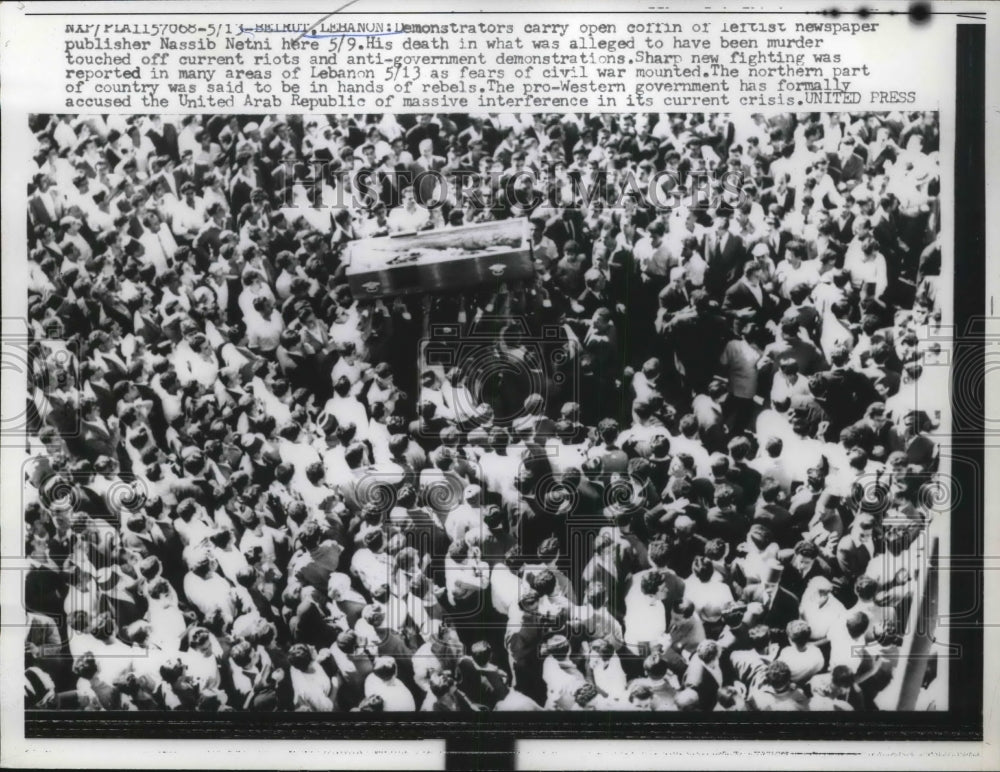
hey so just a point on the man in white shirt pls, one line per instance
(803, 658)
(466, 516)
(705, 588)
(370, 564)
(654, 256)
(505, 585)
(409, 217)
(794, 270)
(769, 463)
(188, 214)
(72, 236)
(645, 615)
(847, 642)
(264, 326)
(384, 683)
(347, 409)
(499, 469)
(868, 270)
(207, 590)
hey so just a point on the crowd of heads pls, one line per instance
(684, 467)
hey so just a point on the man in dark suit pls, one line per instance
(97, 438)
(725, 254)
(851, 165)
(163, 136)
(804, 563)
(844, 225)
(748, 298)
(324, 556)
(208, 240)
(311, 624)
(425, 128)
(725, 520)
(569, 226)
(594, 295)
(772, 511)
(780, 195)
(186, 171)
(856, 550)
(772, 241)
(352, 688)
(807, 355)
(698, 334)
(745, 476)
(425, 171)
(523, 638)
(847, 392)
(391, 644)
(777, 606)
(672, 298)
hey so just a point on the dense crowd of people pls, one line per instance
(682, 468)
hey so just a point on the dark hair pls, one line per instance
(778, 675)
(651, 583)
(798, 631)
(659, 553)
(702, 568)
(481, 652)
(856, 623)
(544, 582)
(760, 636)
(655, 666)
(440, 682)
(865, 587)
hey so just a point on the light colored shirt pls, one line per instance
(803, 664)
(654, 260)
(209, 594)
(396, 697)
(645, 617)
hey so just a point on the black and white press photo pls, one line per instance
(485, 413)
